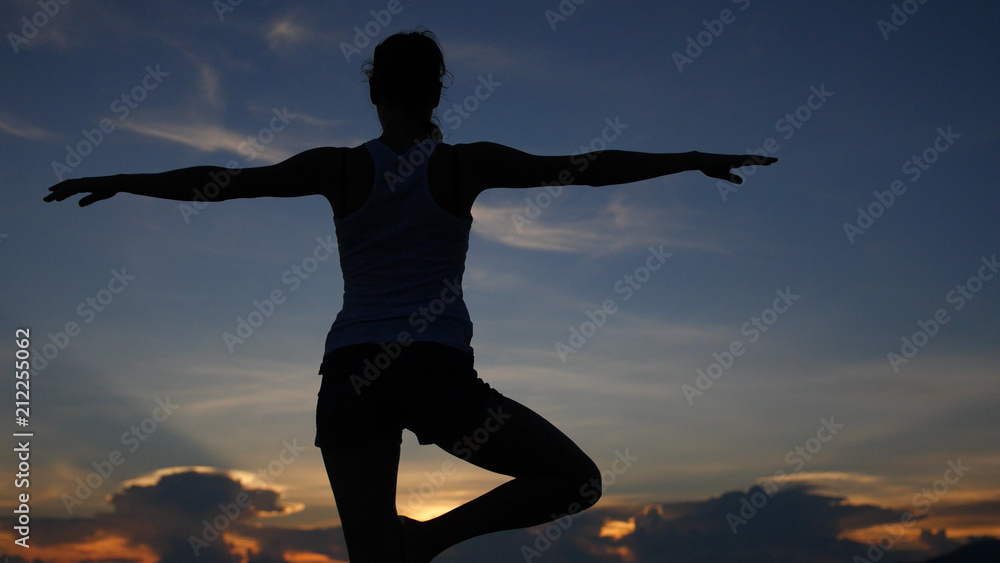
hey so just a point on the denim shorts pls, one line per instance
(371, 392)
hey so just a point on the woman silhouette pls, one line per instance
(398, 354)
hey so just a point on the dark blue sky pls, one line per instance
(800, 305)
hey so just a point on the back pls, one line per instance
(403, 258)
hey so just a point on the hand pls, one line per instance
(99, 188)
(721, 165)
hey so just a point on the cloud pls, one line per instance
(179, 514)
(618, 225)
(295, 31)
(286, 33)
(796, 524)
(500, 224)
(209, 86)
(18, 128)
(813, 476)
(484, 56)
(158, 515)
(207, 138)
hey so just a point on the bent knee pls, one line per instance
(590, 484)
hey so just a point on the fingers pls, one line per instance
(69, 188)
(62, 190)
(58, 196)
(748, 160)
(94, 197)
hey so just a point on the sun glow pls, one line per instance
(617, 529)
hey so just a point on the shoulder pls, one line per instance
(330, 165)
(493, 165)
(477, 164)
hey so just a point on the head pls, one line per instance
(404, 78)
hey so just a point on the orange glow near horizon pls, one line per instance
(617, 529)
(100, 547)
(907, 536)
(896, 535)
(303, 557)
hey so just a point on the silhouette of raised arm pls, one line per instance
(307, 173)
(498, 166)
(483, 166)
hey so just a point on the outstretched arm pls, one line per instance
(495, 166)
(314, 171)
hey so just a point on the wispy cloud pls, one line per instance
(209, 86)
(482, 55)
(617, 226)
(813, 476)
(19, 128)
(498, 224)
(206, 138)
(286, 32)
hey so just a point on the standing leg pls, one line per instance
(364, 485)
(552, 478)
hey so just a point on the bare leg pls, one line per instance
(364, 485)
(552, 478)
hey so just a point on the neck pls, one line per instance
(400, 137)
(400, 129)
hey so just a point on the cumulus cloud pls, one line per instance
(183, 514)
(157, 517)
(795, 524)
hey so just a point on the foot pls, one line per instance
(414, 549)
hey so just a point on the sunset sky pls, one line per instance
(810, 373)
